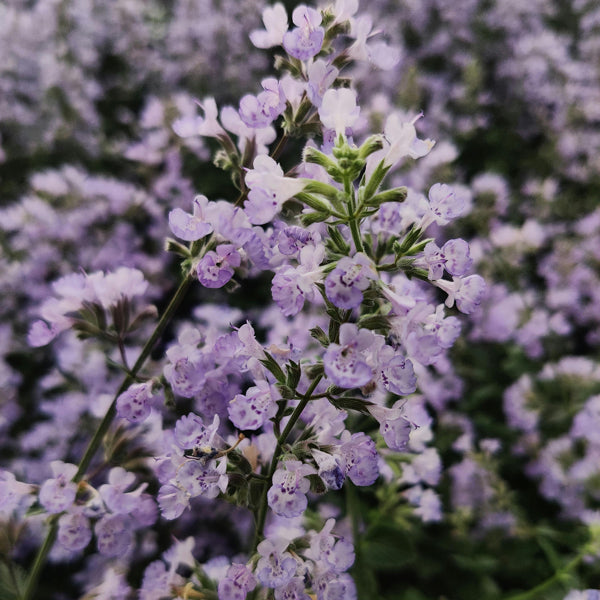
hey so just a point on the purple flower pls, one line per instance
(172, 501)
(200, 479)
(190, 431)
(330, 469)
(215, 268)
(113, 535)
(252, 409)
(400, 141)
(276, 24)
(134, 403)
(393, 426)
(118, 500)
(237, 583)
(187, 366)
(345, 363)
(467, 292)
(330, 586)
(41, 334)
(335, 555)
(292, 239)
(446, 329)
(58, 494)
(11, 492)
(344, 286)
(275, 566)
(445, 204)
(291, 287)
(74, 531)
(360, 455)
(269, 189)
(321, 76)
(287, 495)
(396, 372)
(456, 254)
(253, 112)
(260, 111)
(191, 227)
(428, 503)
(292, 590)
(453, 256)
(286, 291)
(305, 40)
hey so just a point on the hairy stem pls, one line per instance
(102, 429)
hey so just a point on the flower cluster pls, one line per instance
(366, 355)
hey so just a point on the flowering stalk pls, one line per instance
(103, 428)
(262, 509)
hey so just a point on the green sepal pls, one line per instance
(286, 391)
(372, 144)
(337, 238)
(334, 330)
(236, 481)
(294, 372)
(419, 247)
(317, 485)
(402, 247)
(315, 203)
(375, 180)
(174, 246)
(398, 194)
(318, 334)
(315, 370)
(315, 156)
(310, 218)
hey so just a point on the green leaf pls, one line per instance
(357, 404)
(270, 363)
(374, 322)
(12, 581)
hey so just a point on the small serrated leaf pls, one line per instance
(374, 322)
(318, 334)
(356, 404)
(270, 363)
(294, 372)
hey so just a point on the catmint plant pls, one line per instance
(261, 384)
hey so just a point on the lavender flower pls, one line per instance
(237, 583)
(305, 40)
(287, 495)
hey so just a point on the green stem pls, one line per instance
(355, 229)
(102, 429)
(542, 587)
(352, 220)
(280, 146)
(262, 510)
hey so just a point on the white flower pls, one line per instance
(338, 110)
